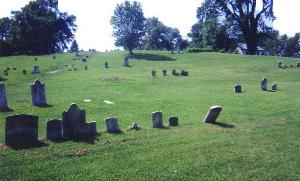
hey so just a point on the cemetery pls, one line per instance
(156, 120)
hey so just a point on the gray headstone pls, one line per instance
(112, 125)
(212, 114)
(24, 72)
(3, 99)
(174, 73)
(86, 67)
(298, 64)
(134, 126)
(5, 71)
(264, 83)
(164, 72)
(106, 65)
(274, 86)
(184, 73)
(238, 88)
(153, 73)
(54, 130)
(75, 125)
(21, 130)
(157, 120)
(36, 69)
(126, 62)
(279, 65)
(38, 93)
(173, 121)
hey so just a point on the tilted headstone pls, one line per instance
(126, 62)
(153, 73)
(36, 69)
(106, 65)
(134, 126)
(164, 72)
(3, 99)
(157, 120)
(238, 88)
(38, 93)
(264, 83)
(212, 114)
(54, 130)
(5, 71)
(21, 130)
(75, 125)
(24, 72)
(173, 121)
(274, 86)
(112, 125)
(279, 65)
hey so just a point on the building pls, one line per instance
(242, 49)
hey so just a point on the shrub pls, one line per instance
(198, 50)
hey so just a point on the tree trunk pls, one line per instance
(130, 51)
(251, 42)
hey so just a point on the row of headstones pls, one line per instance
(38, 95)
(23, 129)
(279, 65)
(35, 70)
(174, 73)
(264, 86)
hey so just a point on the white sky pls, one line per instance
(93, 17)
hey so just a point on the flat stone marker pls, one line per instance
(21, 130)
(238, 88)
(164, 72)
(173, 121)
(75, 125)
(38, 93)
(274, 86)
(134, 126)
(54, 130)
(264, 84)
(212, 114)
(24, 72)
(279, 65)
(5, 71)
(36, 70)
(3, 99)
(106, 65)
(153, 73)
(157, 120)
(112, 125)
(126, 62)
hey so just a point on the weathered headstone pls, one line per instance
(264, 83)
(5, 71)
(279, 65)
(298, 64)
(21, 130)
(106, 65)
(54, 130)
(38, 93)
(126, 62)
(274, 86)
(75, 125)
(153, 73)
(112, 125)
(54, 57)
(24, 72)
(3, 99)
(36, 69)
(212, 114)
(174, 73)
(238, 88)
(164, 72)
(86, 67)
(184, 73)
(173, 121)
(157, 120)
(134, 126)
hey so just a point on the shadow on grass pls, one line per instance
(44, 106)
(151, 57)
(90, 139)
(38, 144)
(223, 125)
(6, 110)
(163, 127)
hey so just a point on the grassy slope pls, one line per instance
(263, 144)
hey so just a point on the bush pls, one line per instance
(222, 51)
(198, 50)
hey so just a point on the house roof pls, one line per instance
(244, 47)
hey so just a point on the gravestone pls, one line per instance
(54, 57)
(21, 130)
(54, 130)
(83, 60)
(298, 64)
(106, 65)
(87, 56)
(126, 62)
(3, 99)
(35, 59)
(274, 86)
(291, 65)
(279, 65)
(174, 73)
(75, 69)
(14, 68)
(173, 121)
(157, 120)
(75, 125)
(134, 126)
(38, 93)
(112, 125)
(264, 84)
(7, 68)
(153, 73)
(24, 72)
(86, 67)
(238, 88)
(212, 114)
(5, 71)
(36, 69)
(184, 73)
(164, 72)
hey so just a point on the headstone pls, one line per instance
(75, 69)
(112, 125)
(274, 86)
(264, 84)
(3, 99)
(21, 130)
(173, 121)
(54, 57)
(7, 68)
(212, 114)
(106, 65)
(75, 125)
(134, 126)
(238, 88)
(35, 59)
(24, 72)
(153, 73)
(174, 73)
(184, 73)
(126, 62)
(84, 59)
(298, 64)
(36, 70)
(291, 65)
(157, 120)
(38, 93)
(5, 71)
(279, 65)
(86, 67)
(87, 56)
(14, 68)
(54, 130)
(164, 72)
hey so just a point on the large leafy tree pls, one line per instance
(128, 24)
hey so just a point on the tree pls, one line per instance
(74, 47)
(128, 24)
(5, 48)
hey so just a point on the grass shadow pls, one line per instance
(223, 125)
(44, 106)
(151, 57)
(6, 110)
(37, 144)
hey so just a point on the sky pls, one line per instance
(93, 17)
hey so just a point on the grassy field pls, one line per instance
(260, 139)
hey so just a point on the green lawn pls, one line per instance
(262, 141)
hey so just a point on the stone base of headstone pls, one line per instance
(212, 114)
(173, 121)
(21, 130)
(157, 120)
(54, 130)
(112, 125)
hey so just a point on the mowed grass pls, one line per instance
(260, 139)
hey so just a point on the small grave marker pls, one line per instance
(157, 120)
(112, 125)
(212, 114)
